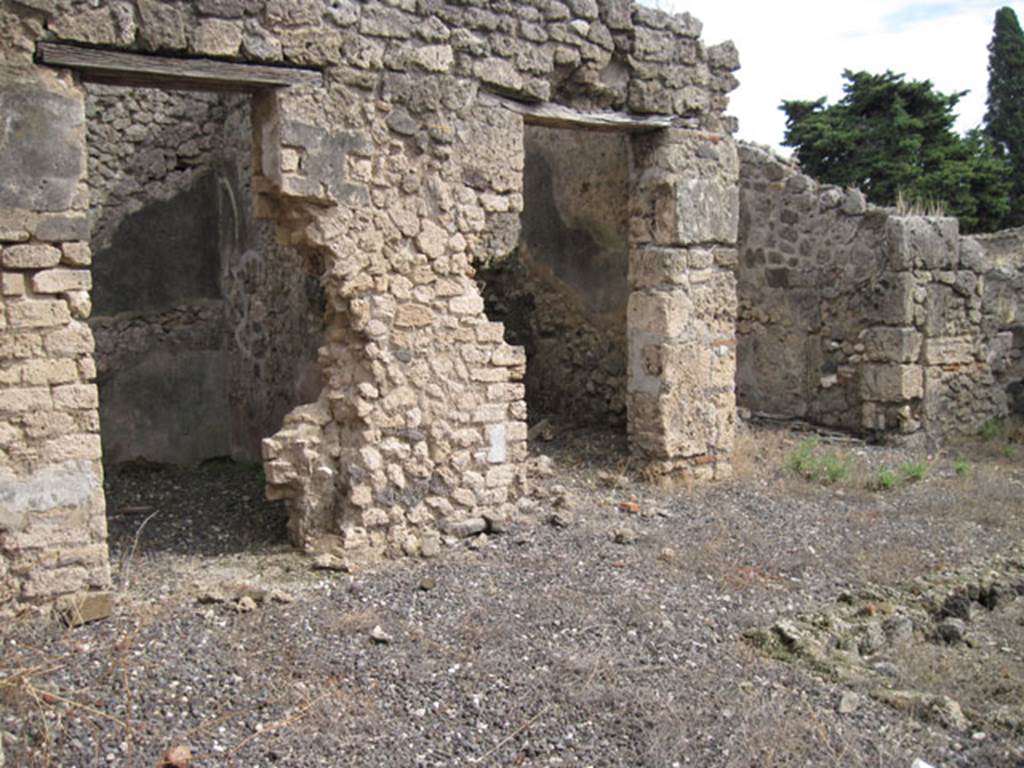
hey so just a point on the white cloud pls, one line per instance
(797, 49)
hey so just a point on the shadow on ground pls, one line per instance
(217, 508)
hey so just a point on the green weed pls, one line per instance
(914, 470)
(962, 468)
(828, 469)
(833, 469)
(886, 479)
(803, 459)
(992, 430)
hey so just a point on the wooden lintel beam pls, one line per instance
(148, 70)
(557, 116)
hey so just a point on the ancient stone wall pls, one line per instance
(206, 328)
(1002, 323)
(681, 317)
(52, 523)
(855, 317)
(562, 292)
(395, 175)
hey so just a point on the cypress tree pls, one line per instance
(894, 138)
(1004, 120)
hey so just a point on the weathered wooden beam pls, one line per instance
(147, 70)
(557, 116)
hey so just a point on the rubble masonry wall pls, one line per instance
(396, 175)
(855, 317)
(1002, 320)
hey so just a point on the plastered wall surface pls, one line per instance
(206, 327)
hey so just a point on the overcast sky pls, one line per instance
(797, 49)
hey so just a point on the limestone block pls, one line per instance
(434, 58)
(76, 254)
(72, 340)
(217, 37)
(12, 284)
(86, 25)
(499, 73)
(46, 371)
(972, 255)
(854, 203)
(501, 476)
(713, 297)
(724, 56)
(24, 399)
(892, 345)
(686, 368)
(946, 350)
(892, 301)
(697, 211)
(654, 267)
(470, 304)
(663, 314)
(413, 316)
(72, 448)
(490, 414)
(61, 280)
(379, 21)
(162, 27)
(918, 242)
(75, 397)
(892, 383)
(46, 424)
(506, 355)
(690, 426)
(946, 313)
(38, 313)
(31, 256)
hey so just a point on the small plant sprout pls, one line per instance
(886, 479)
(833, 469)
(802, 459)
(828, 470)
(913, 471)
(991, 430)
(962, 468)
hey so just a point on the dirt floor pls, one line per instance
(609, 626)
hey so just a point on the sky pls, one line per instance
(798, 49)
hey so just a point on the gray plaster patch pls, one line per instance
(42, 152)
(70, 484)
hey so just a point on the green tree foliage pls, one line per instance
(1004, 120)
(892, 137)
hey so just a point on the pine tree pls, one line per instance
(894, 138)
(1004, 120)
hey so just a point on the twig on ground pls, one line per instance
(126, 565)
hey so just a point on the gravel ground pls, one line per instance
(551, 645)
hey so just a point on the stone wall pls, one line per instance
(1002, 322)
(856, 317)
(681, 317)
(206, 329)
(394, 176)
(52, 522)
(562, 292)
